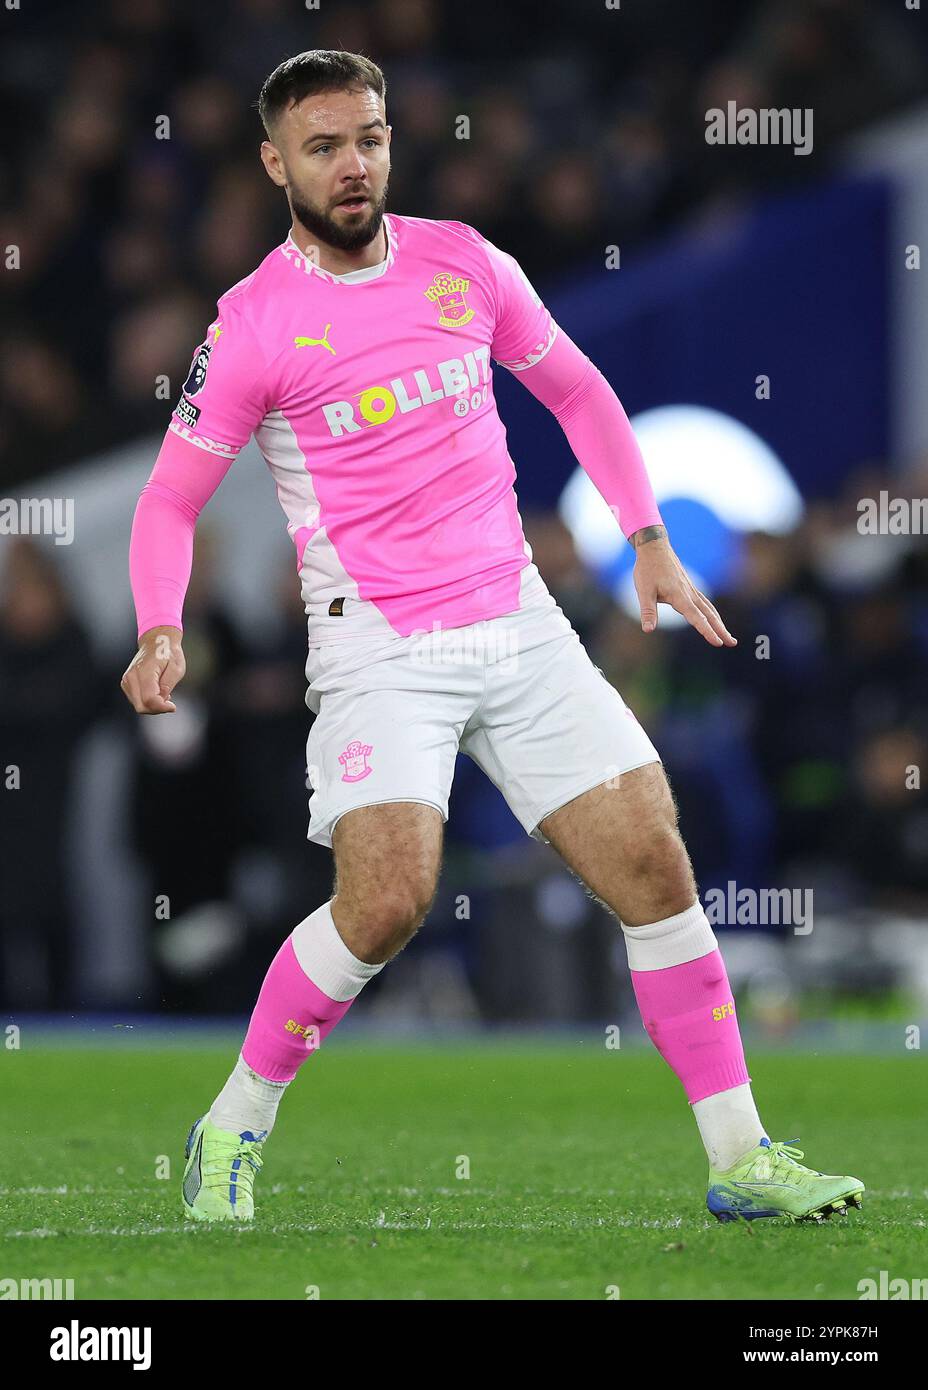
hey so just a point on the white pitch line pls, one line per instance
(39, 1191)
(246, 1228)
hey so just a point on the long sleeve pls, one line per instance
(597, 429)
(182, 481)
(222, 402)
(528, 342)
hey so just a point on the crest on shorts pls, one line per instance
(354, 761)
(447, 292)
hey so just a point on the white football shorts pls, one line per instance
(518, 694)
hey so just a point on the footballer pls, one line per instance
(359, 354)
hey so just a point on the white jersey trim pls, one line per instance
(298, 258)
(534, 354)
(212, 446)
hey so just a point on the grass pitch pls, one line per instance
(585, 1175)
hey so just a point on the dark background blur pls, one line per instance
(147, 867)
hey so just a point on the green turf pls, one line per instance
(585, 1173)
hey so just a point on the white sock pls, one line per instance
(247, 1101)
(674, 941)
(729, 1125)
(324, 957)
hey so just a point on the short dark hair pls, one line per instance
(316, 70)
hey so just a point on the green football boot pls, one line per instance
(769, 1181)
(220, 1172)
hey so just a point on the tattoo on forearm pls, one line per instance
(648, 533)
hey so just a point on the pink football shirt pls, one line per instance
(370, 396)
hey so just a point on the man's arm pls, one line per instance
(160, 561)
(529, 343)
(598, 430)
(599, 433)
(222, 401)
(182, 481)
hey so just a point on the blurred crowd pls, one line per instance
(796, 760)
(586, 130)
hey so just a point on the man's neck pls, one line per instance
(335, 260)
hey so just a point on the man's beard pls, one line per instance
(343, 235)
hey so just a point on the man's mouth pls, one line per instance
(354, 203)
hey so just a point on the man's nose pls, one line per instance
(355, 169)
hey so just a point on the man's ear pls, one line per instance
(273, 163)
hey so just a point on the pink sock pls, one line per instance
(686, 1004)
(310, 986)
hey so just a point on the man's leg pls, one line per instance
(387, 862)
(621, 839)
(388, 859)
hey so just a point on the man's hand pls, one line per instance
(660, 578)
(154, 671)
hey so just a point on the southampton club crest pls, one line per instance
(447, 292)
(354, 761)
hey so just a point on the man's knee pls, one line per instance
(376, 922)
(660, 856)
(643, 849)
(388, 860)
(655, 865)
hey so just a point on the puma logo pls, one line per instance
(316, 342)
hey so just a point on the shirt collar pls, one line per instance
(352, 277)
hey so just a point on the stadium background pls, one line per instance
(586, 132)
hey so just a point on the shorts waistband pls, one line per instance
(360, 618)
